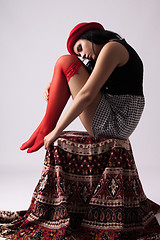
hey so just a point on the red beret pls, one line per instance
(77, 31)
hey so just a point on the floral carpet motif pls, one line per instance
(89, 190)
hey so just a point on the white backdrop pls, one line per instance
(33, 35)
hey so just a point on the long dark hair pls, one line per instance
(98, 36)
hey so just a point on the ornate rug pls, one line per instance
(89, 189)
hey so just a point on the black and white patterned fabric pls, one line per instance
(117, 115)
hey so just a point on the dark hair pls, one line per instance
(98, 36)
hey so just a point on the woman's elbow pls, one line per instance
(88, 98)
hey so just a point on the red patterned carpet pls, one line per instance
(89, 189)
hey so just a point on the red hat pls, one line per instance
(78, 30)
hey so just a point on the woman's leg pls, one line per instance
(75, 84)
(65, 81)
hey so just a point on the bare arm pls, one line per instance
(109, 57)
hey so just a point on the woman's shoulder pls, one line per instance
(133, 55)
(117, 44)
(118, 48)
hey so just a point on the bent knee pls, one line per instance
(69, 64)
(67, 60)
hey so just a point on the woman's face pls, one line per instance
(84, 49)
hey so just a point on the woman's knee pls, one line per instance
(66, 60)
(69, 64)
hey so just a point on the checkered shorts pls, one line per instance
(117, 115)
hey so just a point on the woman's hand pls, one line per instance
(50, 138)
(46, 92)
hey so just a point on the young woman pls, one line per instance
(89, 188)
(108, 93)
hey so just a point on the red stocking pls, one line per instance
(59, 94)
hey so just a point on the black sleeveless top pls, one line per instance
(127, 79)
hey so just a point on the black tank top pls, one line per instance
(127, 79)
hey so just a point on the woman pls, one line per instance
(89, 188)
(109, 101)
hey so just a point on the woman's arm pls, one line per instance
(110, 56)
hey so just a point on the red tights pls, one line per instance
(59, 94)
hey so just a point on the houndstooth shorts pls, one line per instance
(117, 115)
